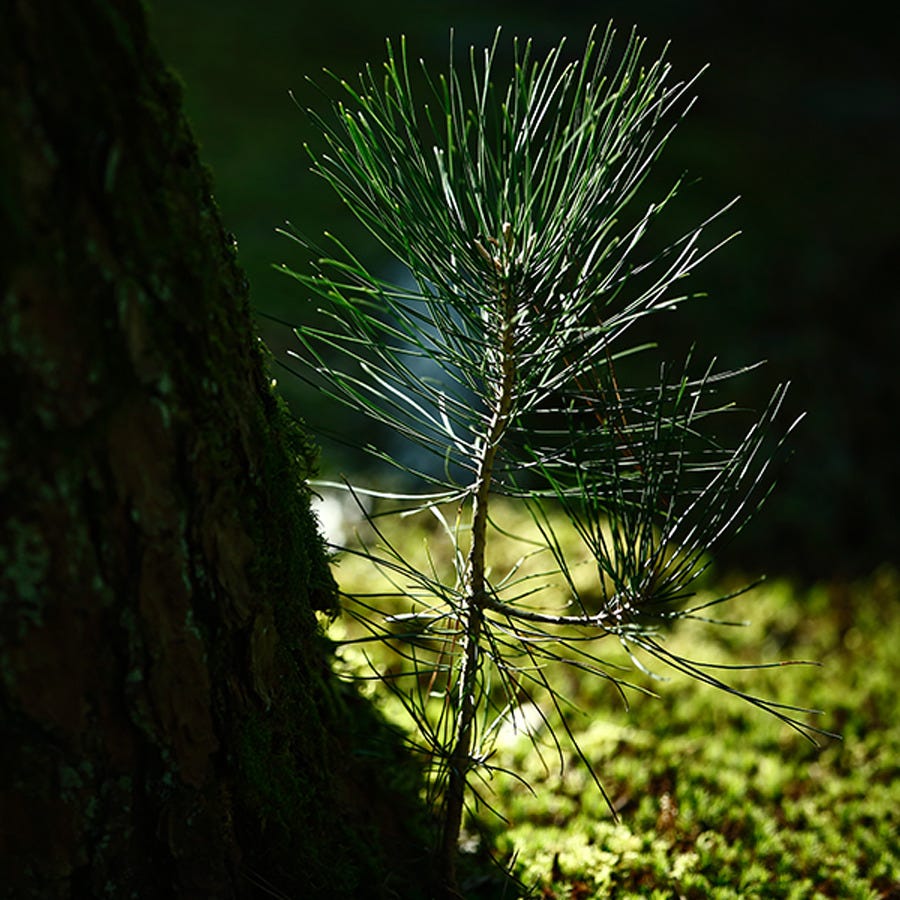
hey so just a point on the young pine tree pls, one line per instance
(516, 208)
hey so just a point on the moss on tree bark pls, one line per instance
(170, 726)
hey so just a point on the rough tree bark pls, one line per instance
(169, 724)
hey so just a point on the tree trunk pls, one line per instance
(170, 727)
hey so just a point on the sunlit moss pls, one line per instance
(752, 810)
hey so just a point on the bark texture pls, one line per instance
(169, 724)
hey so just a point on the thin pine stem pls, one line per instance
(476, 589)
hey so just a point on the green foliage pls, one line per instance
(713, 801)
(718, 803)
(517, 211)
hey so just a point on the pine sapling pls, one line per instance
(517, 209)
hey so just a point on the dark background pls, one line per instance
(799, 113)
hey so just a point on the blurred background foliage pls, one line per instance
(799, 114)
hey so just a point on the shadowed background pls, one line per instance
(799, 114)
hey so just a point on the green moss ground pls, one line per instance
(715, 798)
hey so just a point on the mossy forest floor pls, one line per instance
(714, 798)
